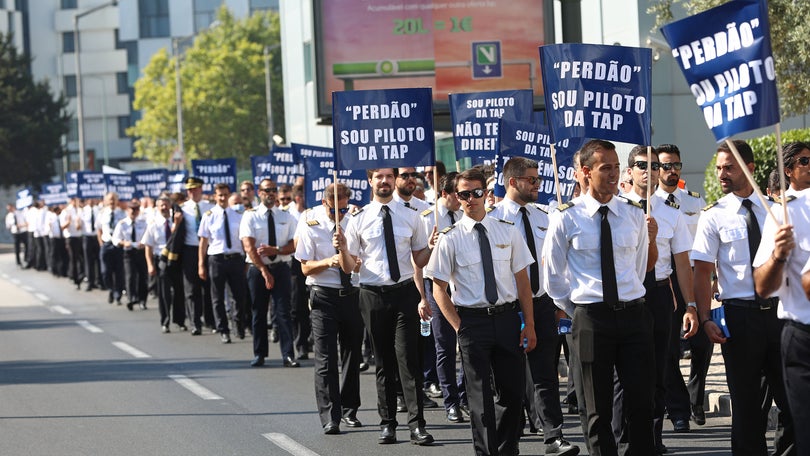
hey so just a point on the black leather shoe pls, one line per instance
(573, 409)
(166, 329)
(303, 356)
(289, 362)
(110, 297)
(257, 361)
(465, 410)
(420, 436)
(240, 334)
(130, 306)
(454, 415)
(364, 366)
(182, 327)
(433, 391)
(388, 434)
(660, 448)
(196, 332)
(680, 425)
(429, 403)
(698, 415)
(561, 447)
(225, 338)
(143, 305)
(331, 428)
(351, 421)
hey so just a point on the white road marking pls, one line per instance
(289, 445)
(28, 288)
(15, 281)
(42, 297)
(90, 327)
(4, 275)
(125, 347)
(61, 310)
(197, 389)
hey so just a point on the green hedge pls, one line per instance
(764, 156)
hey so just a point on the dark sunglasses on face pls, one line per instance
(269, 190)
(466, 194)
(408, 175)
(642, 165)
(285, 200)
(804, 161)
(669, 166)
(530, 179)
(342, 210)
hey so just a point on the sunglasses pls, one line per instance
(466, 194)
(669, 166)
(342, 210)
(642, 165)
(286, 199)
(408, 175)
(530, 179)
(804, 161)
(269, 190)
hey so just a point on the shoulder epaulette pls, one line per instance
(693, 194)
(313, 222)
(710, 206)
(250, 209)
(427, 212)
(357, 211)
(565, 206)
(285, 208)
(506, 221)
(447, 230)
(634, 203)
(412, 208)
(537, 205)
(490, 209)
(672, 204)
(789, 198)
(208, 212)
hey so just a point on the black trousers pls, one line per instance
(196, 290)
(796, 371)
(754, 349)
(229, 271)
(299, 308)
(40, 253)
(544, 390)
(112, 269)
(620, 341)
(444, 339)
(135, 275)
(75, 259)
(170, 293)
(393, 324)
(57, 256)
(21, 248)
(491, 354)
(91, 260)
(259, 303)
(336, 321)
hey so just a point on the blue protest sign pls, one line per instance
(262, 166)
(475, 119)
(383, 128)
(175, 181)
(215, 171)
(285, 166)
(319, 166)
(597, 91)
(521, 139)
(725, 55)
(85, 184)
(54, 194)
(25, 198)
(121, 184)
(150, 182)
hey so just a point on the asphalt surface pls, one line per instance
(79, 376)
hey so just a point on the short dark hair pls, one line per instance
(743, 148)
(773, 182)
(284, 188)
(342, 191)
(248, 183)
(370, 172)
(448, 182)
(790, 151)
(222, 186)
(668, 149)
(590, 147)
(635, 152)
(472, 174)
(516, 167)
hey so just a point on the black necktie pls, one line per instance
(112, 219)
(271, 231)
(197, 215)
(390, 245)
(610, 291)
(452, 217)
(92, 220)
(167, 230)
(490, 286)
(643, 203)
(534, 270)
(671, 198)
(345, 279)
(407, 204)
(227, 229)
(754, 235)
(133, 231)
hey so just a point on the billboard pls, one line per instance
(451, 47)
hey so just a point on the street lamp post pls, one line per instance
(268, 95)
(76, 51)
(178, 95)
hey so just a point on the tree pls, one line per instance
(223, 93)
(790, 27)
(32, 121)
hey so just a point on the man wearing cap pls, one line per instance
(196, 290)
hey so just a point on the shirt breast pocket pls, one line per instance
(585, 242)
(737, 241)
(402, 236)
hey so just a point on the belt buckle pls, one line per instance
(766, 306)
(620, 305)
(495, 310)
(343, 292)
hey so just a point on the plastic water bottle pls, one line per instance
(424, 327)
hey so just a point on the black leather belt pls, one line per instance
(228, 256)
(621, 305)
(662, 282)
(340, 292)
(386, 288)
(487, 311)
(764, 304)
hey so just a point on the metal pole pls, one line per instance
(79, 104)
(268, 97)
(179, 98)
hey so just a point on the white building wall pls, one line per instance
(12, 21)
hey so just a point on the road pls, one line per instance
(79, 376)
